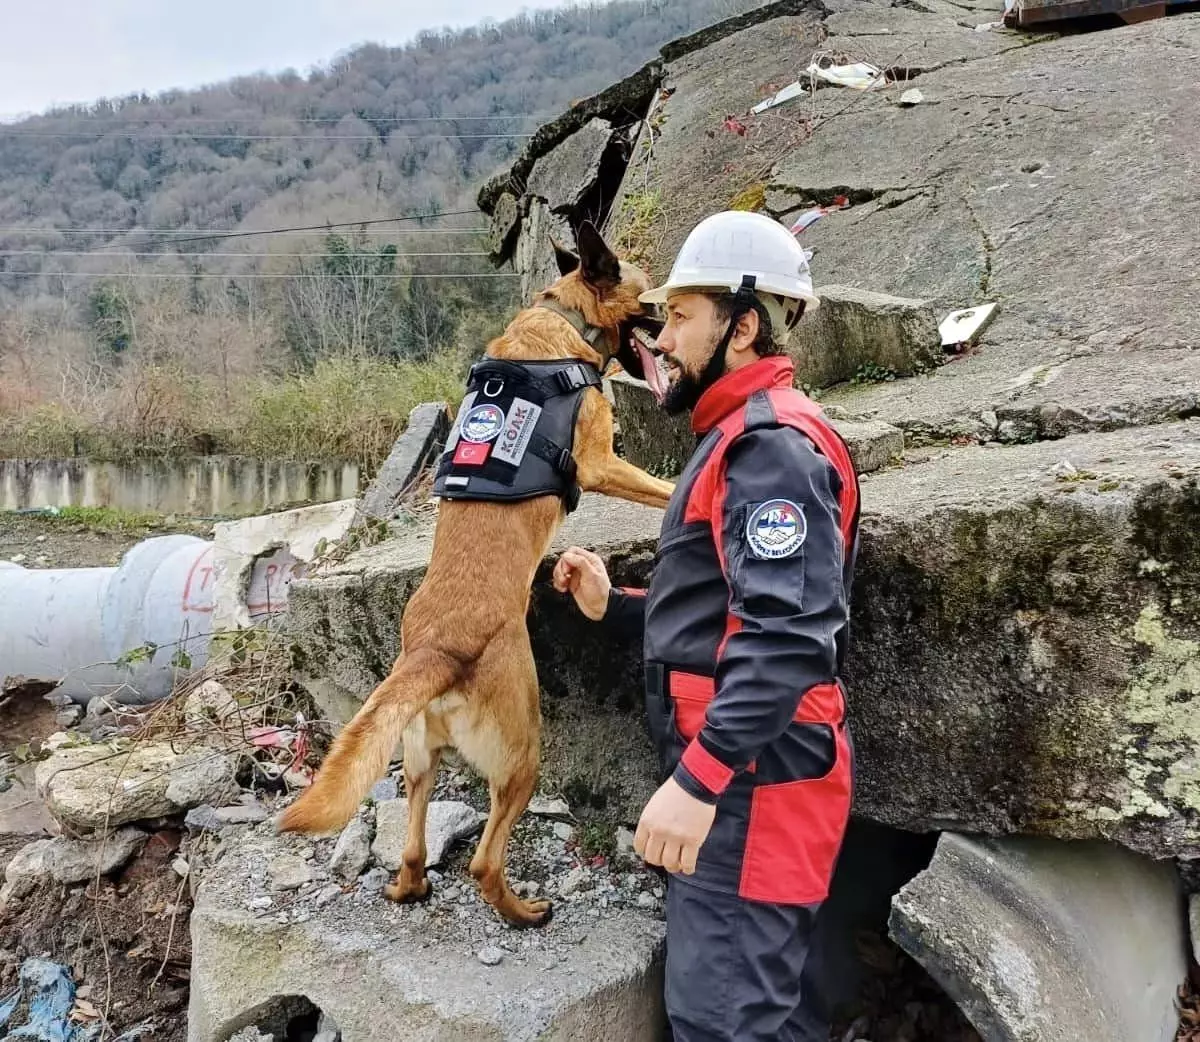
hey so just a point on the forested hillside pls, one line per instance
(138, 312)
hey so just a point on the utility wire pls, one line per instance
(252, 276)
(202, 256)
(191, 231)
(233, 136)
(201, 120)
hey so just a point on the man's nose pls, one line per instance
(666, 341)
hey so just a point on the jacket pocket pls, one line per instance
(691, 695)
(795, 832)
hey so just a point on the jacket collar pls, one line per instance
(733, 389)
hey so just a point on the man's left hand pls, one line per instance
(672, 828)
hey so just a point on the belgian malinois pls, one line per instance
(465, 677)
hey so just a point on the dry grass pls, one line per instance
(344, 409)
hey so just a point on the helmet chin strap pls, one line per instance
(743, 302)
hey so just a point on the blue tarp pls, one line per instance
(49, 994)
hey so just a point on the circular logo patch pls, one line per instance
(776, 529)
(483, 423)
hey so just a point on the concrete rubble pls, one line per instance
(1041, 941)
(273, 909)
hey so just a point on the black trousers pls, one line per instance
(742, 971)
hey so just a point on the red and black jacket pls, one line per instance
(745, 631)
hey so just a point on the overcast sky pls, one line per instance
(64, 51)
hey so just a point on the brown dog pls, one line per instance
(465, 676)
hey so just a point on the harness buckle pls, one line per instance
(495, 381)
(572, 379)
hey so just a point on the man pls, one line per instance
(745, 630)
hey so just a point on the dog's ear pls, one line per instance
(566, 260)
(600, 266)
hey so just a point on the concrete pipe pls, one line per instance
(76, 623)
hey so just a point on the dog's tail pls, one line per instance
(360, 754)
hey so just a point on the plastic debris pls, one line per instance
(912, 97)
(857, 76)
(53, 1008)
(810, 217)
(962, 327)
(788, 93)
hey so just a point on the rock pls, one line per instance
(858, 334)
(548, 808)
(68, 717)
(250, 813)
(385, 789)
(352, 851)
(251, 1034)
(327, 1030)
(67, 861)
(447, 821)
(289, 873)
(563, 831)
(375, 880)
(181, 867)
(534, 252)
(873, 444)
(564, 176)
(505, 220)
(210, 705)
(491, 955)
(89, 788)
(579, 878)
(261, 904)
(647, 900)
(423, 436)
(1040, 939)
(203, 818)
(381, 971)
(625, 838)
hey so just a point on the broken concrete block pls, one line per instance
(64, 860)
(859, 333)
(1045, 941)
(94, 787)
(873, 444)
(426, 431)
(211, 705)
(352, 851)
(563, 177)
(662, 444)
(505, 220)
(289, 872)
(447, 822)
(382, 971)
(533, 255)
(255, 559)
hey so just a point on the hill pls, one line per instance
(127, 324)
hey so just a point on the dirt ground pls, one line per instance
(42, 541)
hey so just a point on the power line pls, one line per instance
(191, 231)
(201, 256)
(232, 136)
(252, 276)
(225, 121)
(298, 228)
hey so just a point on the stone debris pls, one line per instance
(447, 822)
(211, 704)
(65, 860)
(352, 851)
(290, 873)
(491, 955)
(93, 787)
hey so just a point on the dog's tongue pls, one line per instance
(650, 369)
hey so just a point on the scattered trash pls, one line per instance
(911, 97)
(544, 807)
(987, 27)
(1064, 469)
(55, 1011)
(810, 217)
(857, 76)
(962, 327)
(788, 93)
(735, 125)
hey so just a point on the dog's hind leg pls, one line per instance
(421, 759)
(502, 741)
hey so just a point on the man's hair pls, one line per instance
(765, 343)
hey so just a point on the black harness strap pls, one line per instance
(515, 431)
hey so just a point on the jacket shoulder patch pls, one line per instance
(775, 529)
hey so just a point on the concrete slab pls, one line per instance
(1023, 660)
(1042, 941)
(424, 434)
(856, 333)
(382, 971)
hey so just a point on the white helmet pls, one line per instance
(725, 248)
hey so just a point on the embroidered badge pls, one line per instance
(518, 429)
(483, 424)
(776, 529)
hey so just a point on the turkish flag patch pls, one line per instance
(472, 454)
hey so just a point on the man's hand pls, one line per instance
(581, 573)
(673, 827)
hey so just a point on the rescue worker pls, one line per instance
(745, 627)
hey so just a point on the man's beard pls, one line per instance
(687, 389)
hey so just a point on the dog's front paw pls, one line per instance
(408, 892)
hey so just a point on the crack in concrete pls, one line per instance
(985, 277)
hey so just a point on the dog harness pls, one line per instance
(515, 431)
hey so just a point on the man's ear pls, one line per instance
(745, 331)
(600, 266)
(566, 260)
